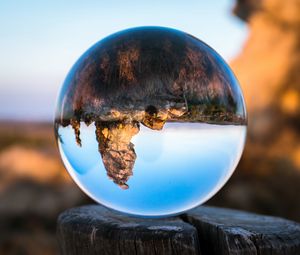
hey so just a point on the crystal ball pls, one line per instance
(150, 121)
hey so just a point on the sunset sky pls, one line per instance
(40, 41)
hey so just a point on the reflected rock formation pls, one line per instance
(146, 76)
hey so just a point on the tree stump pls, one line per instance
(94, 229)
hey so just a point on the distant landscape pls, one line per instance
(34, 188)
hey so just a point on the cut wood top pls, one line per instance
(94, 229)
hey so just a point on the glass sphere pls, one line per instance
(150, 121)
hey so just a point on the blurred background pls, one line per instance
(39, 42)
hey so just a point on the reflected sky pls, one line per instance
(175, 169)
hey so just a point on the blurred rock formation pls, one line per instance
(268, 69)
(268, 176)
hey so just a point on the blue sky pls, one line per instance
(40, 40)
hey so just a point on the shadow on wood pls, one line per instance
(95, 229)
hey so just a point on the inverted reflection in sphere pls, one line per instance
(150, 121)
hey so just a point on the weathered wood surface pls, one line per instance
(205, 230)
(94, 229)
(225, 231)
